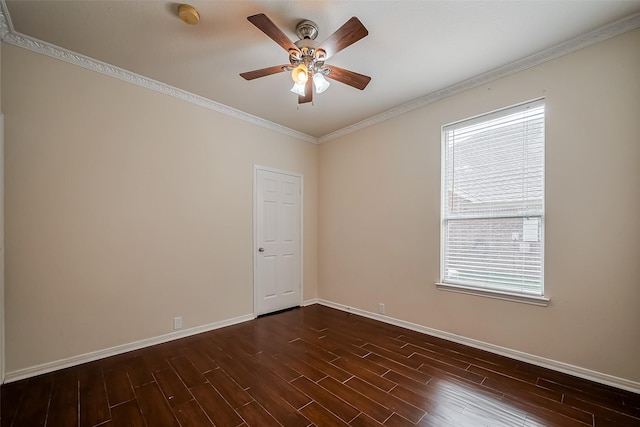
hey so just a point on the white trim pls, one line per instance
(124, 348)
(566, 368)
(309, 302)
(505, 295)
(555, 365)
(2, 299)
(8, 35)
(256, 168)
(6, 26)
(541, 301)
(585, 40)
(44, 368)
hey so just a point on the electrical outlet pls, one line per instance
(177, 323)
(381, 308)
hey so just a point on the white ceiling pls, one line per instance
(414, 48)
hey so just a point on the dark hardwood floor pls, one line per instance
(313, 366)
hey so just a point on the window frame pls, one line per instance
(508, 295)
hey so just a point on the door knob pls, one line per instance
(260, 249)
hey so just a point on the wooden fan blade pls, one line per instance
(267, 26)
(345, 36)
(250, 75)
(308, 93)
(351, 78)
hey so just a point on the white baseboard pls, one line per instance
(113, 351)
(555, 365)
(44, 368)
(566, 368)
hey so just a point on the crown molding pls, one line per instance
(596, 36)
(8, 35)
(5, 21)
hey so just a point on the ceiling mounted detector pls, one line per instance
(188, 14)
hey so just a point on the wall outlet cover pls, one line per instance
(177, 322)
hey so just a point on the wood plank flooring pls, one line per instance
(313, 366)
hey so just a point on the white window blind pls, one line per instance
(493, 201)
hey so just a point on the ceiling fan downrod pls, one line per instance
(308, 52)
(307, 30)
(307, 57)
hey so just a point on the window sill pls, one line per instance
(487, 293)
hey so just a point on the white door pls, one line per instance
(277, 238)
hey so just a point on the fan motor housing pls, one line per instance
(307, 30)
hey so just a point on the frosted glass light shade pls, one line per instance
(298, 88)
(320, 82)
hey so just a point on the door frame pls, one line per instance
(256, 168)
(2, 256)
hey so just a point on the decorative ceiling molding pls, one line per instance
(5, 21)
(598, 35)
(8, 35)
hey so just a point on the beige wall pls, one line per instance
(379, 229)
(126, 208)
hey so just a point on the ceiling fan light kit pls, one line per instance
(299, 89)
(307, 57)
(321, 84)
(300, 74)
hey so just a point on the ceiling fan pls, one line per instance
(307, 57)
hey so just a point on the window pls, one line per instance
(493, 204)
